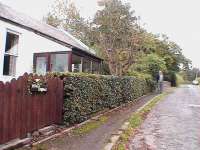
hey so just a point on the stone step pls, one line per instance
(46, 129)
(48, 133)
(124, 126)
(15, 144)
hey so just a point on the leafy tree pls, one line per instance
(116, 37)
(65, 15)
(52, 20)
(168, 50)
(150, 64)
(57, 15)
(116, 33)
(191, 74)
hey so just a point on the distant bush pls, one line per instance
(171, 77)
(86, 94)
(179, 79)
(150, 64)
(140, 75)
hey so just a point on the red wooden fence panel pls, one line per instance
(22, 113)
(1, 109)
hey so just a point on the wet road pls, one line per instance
(174, 124)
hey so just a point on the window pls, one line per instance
(41, 65)
(76, 63)
(59, 62)
(10, 56)
(95, 67)
(51, 62)
(87, 65)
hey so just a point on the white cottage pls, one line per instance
(28, 45)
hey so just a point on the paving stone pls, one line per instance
(124, 126)
(15, 144)
(48, 133)
(118, 133)
(36, 133)
(46, 129)
(114, 138)
(108, 146)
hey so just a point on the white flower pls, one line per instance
(42, 89)
(37, 80)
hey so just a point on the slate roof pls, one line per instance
(63, 37)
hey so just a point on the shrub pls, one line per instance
(86, 94)
(140, 75)
(150, 64)
(171, 77)
(147, 77)
(180, 79)
(198, 79)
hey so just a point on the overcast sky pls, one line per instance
(179, 19)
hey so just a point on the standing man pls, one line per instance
(160, 79)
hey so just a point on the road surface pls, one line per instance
(174, 124)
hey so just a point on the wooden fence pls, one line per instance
(21, 113)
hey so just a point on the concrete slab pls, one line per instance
(15, 144)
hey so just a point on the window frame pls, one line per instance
(15, 55)
(67, 60)
(90, 60)
(48, 56)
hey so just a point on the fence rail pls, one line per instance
(21, 113)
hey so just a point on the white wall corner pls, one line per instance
(2, 47)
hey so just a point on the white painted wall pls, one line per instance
(29, 43)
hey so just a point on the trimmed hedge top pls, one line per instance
(86, 94)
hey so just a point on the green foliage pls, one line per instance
(117, 37)
(135, 120)
(179, 79)
(52, 20)
(88, 127)
(144, 76)
(65, 14)
(140, 75)
(171, 77)
(166, 49)
(198, 79)
(39, 147)
(105, 69)
(120, 147)
(86, 94)
(190, 74)
(150, 64)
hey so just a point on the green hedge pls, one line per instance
(171, 77)
(86, 94)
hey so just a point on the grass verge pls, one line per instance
(136, 120)
(83, 129)
(86, 128)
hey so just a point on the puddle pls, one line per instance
(193, 105)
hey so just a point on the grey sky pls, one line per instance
(179, 19)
